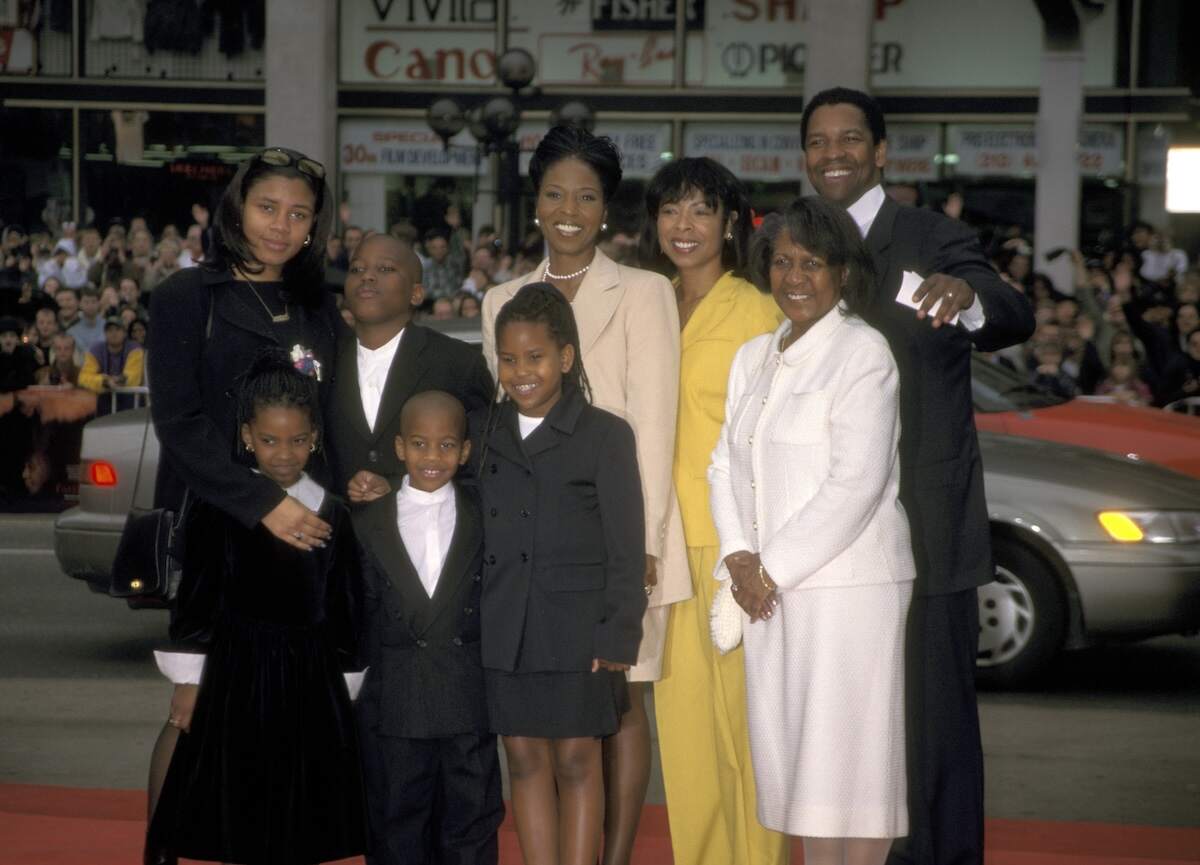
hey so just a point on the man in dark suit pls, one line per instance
(430, 765)
(390, 360)
(961, 303)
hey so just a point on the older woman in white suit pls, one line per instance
(805, 495)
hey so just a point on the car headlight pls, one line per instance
(1151, 527)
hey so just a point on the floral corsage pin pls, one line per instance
(305, 361)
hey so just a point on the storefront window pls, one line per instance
(35, 167)
(157, 165)
(164, 39)
(35, 38)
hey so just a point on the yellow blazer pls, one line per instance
(629, 335)
(732, 313)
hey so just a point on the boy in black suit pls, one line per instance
(431, 767)
(389, 360)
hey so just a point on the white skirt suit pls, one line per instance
(806, 474)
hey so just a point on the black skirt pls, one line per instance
(556, 705)
(269, 773)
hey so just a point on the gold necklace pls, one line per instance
(275, 319)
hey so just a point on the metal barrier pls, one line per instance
(141, 396)
(1187, 405)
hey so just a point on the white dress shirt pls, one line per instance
(373, 367)
(864, 211)
(186, 668)
(528, 424)
(426, 523)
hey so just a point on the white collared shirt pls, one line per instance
(528, 424)
(864, 211)
(426, 523)
(373, 367)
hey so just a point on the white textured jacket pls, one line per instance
(806, 472)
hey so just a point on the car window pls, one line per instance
(997, 388)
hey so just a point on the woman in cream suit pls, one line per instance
(805, 494)
(629, 335)
(698, 231)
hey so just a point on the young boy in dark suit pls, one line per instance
(389, 359)
(431, 767)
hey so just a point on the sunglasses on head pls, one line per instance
(281, 158)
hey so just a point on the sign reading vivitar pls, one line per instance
(644, 14)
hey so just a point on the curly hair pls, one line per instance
(825, 230)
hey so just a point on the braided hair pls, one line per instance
(539, 303)
(272, 381)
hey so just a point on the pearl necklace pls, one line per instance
(546, 274)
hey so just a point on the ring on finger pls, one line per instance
(297, 535)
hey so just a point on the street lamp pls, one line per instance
(494, 124)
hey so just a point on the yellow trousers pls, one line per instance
(703, 739)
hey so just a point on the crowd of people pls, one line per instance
(1127, 328)
(402, 551)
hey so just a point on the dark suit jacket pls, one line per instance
(564, 539)
(941, 475)
(425, 360)
(193, 380)
(425, 680)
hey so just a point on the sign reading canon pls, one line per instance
(731, 43)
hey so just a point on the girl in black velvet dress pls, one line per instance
(267, 769)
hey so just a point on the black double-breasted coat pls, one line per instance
(564, 545)
(424, 678)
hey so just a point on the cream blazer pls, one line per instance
(629, 335)
(806, 471)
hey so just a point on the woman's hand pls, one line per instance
(183, 703)
(752, 588)
(367, 487)
(601, 664)
(650, 578)
(295, 524)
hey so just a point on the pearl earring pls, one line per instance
(729, 235)
(604, 226)
(308, 240)
(250, 448)
(537, 222)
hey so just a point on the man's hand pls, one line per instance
(951, 295)
(367, 487)
(296, 525)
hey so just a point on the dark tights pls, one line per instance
(626, 776)
(160, 761)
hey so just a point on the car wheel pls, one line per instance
(1022, 617)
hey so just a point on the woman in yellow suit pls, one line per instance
(698, 231)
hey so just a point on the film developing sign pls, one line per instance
(404, 147)
(411, 147)
(1011, 150)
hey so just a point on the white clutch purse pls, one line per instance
(725, 619)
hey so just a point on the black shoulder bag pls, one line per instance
(149, 562)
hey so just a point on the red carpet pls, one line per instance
(70, 826)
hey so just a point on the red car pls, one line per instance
(1005, 402)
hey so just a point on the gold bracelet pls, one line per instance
(762, 576)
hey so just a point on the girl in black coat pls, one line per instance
(267, 771)
(564, 556)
